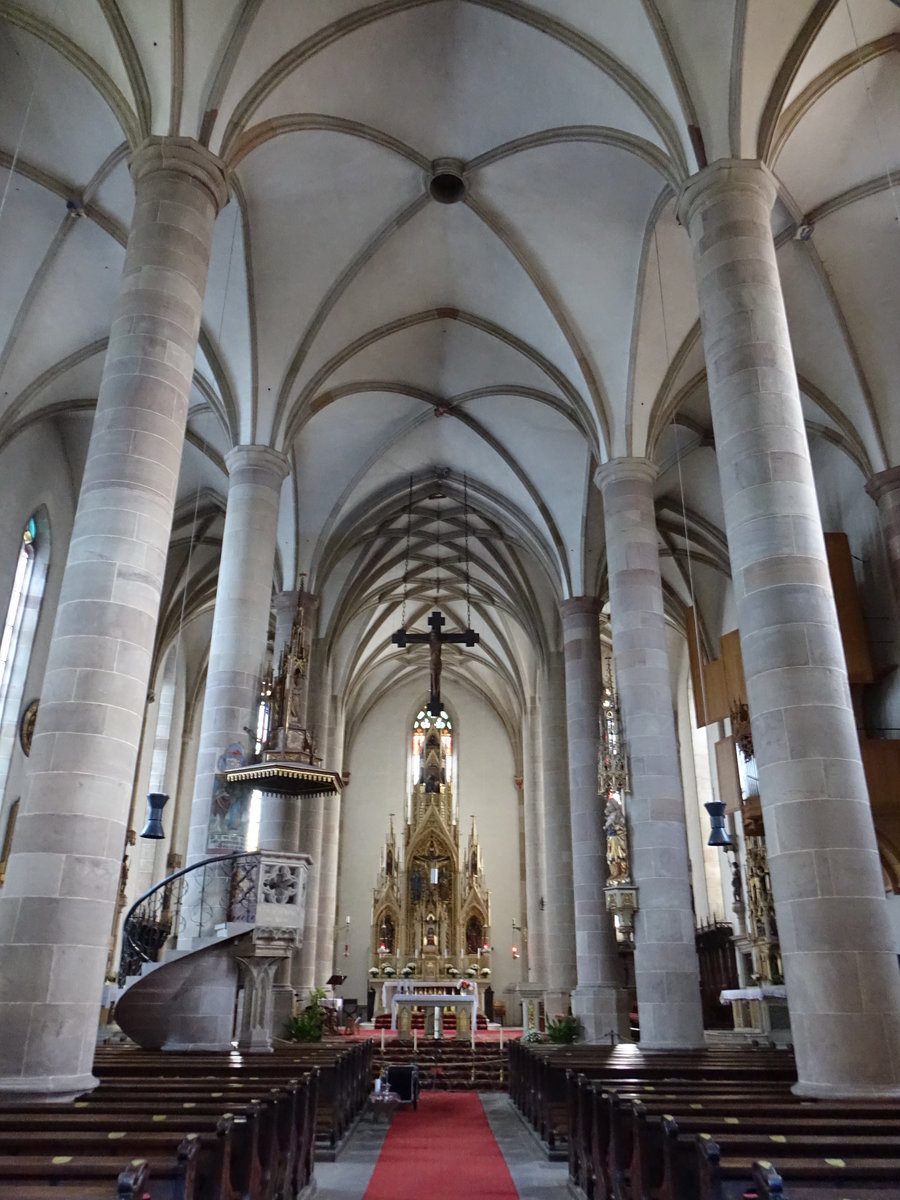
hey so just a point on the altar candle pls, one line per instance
(501, 1037)
(382, 1040)
(415, 1041)
(473, 1035)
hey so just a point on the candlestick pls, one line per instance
(382, 1041)
(415, 1040)
(501, 1037)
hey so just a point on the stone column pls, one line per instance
(534, 844)
(839, 955)
(311, 822)
(279, 822)
(667, 974)
(884, 488)
(241, 621)
(57, 905)
(328, 870)
(559, 914)
(599, 999)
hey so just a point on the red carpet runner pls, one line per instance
(444, 1151)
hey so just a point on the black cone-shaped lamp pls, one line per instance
(718, 834)
(156, 802)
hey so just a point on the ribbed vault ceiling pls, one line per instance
(482, 356)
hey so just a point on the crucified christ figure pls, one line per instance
(434, 639)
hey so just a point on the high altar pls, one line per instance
(431, 910)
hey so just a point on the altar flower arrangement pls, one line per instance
(452, 972)
(472, 972)
(373, 971)
(485, 972)
(388, 972)
(406, 972)
(464, 986)
(411, 967)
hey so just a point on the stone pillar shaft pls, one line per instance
(597, 1000)
(59, 898)
(839, 954)
(535, 884)
(665, 958)
(311, 819)
(241, 621)
(328, 870)
(559, 914)
(884, 488)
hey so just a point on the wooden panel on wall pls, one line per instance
(718, 704)
(728, 775)
(696, 664)
(735, 684)
(849, 609)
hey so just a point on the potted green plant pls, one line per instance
(563, 1029)
(308, 1024)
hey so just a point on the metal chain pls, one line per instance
(406, 562)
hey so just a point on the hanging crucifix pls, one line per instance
(435, 640)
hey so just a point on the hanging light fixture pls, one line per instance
(718, 834)
(156, 802)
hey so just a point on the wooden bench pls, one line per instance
(694, 1143)
(89, 1177)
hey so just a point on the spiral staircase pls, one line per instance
(204, 944)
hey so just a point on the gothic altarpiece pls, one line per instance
(431, 910)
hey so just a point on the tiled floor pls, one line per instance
(534, 1177)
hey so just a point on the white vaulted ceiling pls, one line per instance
(481, 356)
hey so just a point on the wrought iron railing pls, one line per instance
(189, 904)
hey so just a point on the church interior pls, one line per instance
(450, 541)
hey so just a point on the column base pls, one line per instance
(45, 1089)
(603, 1013)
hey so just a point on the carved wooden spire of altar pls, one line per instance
(431, 909)
(289, 737)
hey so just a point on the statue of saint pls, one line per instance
(616, 842)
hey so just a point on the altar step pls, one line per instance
(448, 1023)
(451, 1066)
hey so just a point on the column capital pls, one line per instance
(576, 605)
(625, 468)
(262, 459)
(724, 176)
(186, 157)
(883, 483)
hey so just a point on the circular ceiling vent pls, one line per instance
(447, 185)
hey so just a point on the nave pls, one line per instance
(533, 1177)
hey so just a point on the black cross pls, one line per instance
(434, 640)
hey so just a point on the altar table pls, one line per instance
(436, 1001)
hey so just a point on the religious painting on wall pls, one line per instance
(229, 816)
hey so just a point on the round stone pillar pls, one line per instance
(311, 818)
(884, 488)
(241, 621)
(840, 959)
(667, 974)
(534, 844)
(328, 869)
(559, 913)
(58, 902)
(598, 1000)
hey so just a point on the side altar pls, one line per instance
(431, 908)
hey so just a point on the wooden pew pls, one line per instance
(343, 1085)
(89, 1177)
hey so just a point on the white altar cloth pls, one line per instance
(437, 1001)
(425, 987)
